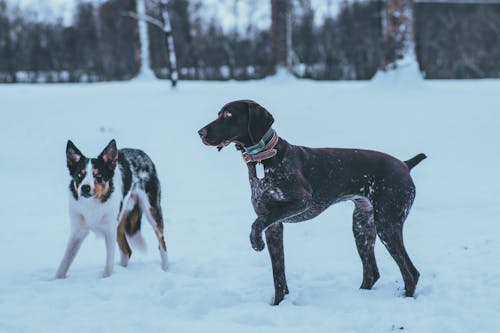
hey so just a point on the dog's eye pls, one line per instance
(227, 114)
(98, 178)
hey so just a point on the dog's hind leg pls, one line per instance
(365, 235)
(389, 218)
(152, 210)
(155, 217)
(125, 250)
(129, 224)
(274, 240)
(392, 238)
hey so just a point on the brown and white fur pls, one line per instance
(108, 195)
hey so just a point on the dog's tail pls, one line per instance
(415, 160)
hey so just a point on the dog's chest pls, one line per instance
(96, 215)
(266, 189)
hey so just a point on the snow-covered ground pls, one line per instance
(216, 282)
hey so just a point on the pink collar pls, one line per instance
(266, 153)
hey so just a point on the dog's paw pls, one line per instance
(278, 298)
(257, 241)
(124, 260)
(107, 273)
(60, 274)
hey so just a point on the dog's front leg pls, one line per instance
(274, 240)
(75, 241)
(281, 214)
(109, 238)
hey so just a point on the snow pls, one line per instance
(215, 281)
(406, 71)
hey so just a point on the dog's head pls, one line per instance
(243, 122)
(92, 177)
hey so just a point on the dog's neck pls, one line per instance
(263, 150)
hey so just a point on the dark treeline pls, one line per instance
(458, 41)
(342, 48)
(206, 51)
(102, 44)
(347, 47)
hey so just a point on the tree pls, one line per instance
(399, 37)
(281, 33)
(118, 40)
(304, 36)
(145, 70)
(163, 24)
(167, 29)
(87, 57)
(7, 62)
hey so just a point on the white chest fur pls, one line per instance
(90, 213)
(266, 187)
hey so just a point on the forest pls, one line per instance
(452, 41)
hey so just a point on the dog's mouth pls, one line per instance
(86, 195)
(223, 144)
(205, 142)
(218, 145)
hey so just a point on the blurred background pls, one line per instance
(100, 40)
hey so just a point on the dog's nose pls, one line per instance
(85, 189)
(202, 132)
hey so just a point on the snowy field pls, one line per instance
(215, 281)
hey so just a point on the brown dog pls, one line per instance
(298, 183)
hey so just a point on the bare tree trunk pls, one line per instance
(399, 38)
(166, 27)
(145, 71)
(172, 59)
(280, 33)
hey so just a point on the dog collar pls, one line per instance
(262, 150)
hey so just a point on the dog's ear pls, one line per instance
(259, 121)
(73, 155)
(110, 155)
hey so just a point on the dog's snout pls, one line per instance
(203, 132)
(85, 189)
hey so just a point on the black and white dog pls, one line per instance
(107, 195)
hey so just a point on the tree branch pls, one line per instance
(151, 20)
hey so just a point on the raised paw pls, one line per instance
(257, 241)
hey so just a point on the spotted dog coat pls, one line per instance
(108, 196)
(301, 182)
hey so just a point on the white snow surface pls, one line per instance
(406, 71)
(215, 281)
